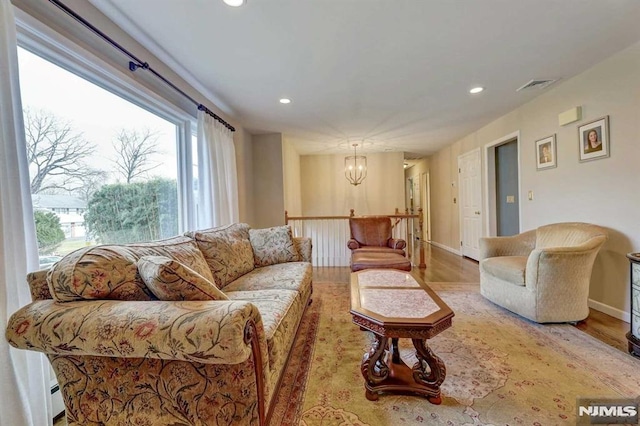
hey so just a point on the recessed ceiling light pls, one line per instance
(285, 101)
(234, 3)
(476, 89)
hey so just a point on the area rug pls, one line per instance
(501, 369)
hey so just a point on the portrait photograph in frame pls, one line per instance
(546, 153)
(593, 139)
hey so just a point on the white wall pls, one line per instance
(292, 186)
(326, 191)
(268, 181)
(243, 143)
(603, 192)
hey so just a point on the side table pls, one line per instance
(633, 336)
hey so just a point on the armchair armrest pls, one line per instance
(398, 244)
(213, 332)
(304, 247)
(516, 245)
(353, 244)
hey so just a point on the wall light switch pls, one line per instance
(530, 195)
(511, 199)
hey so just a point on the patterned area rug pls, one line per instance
(501, 369)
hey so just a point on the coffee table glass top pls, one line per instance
(383, 278)
(393, 294)
(394, 304)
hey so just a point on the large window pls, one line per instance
(102, 169)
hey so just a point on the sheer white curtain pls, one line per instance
(217, 177)
(26, 396)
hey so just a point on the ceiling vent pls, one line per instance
(536, 84)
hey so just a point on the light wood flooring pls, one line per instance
(446, 270)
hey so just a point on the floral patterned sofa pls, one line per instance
(193, 330)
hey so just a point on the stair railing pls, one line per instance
(329, 236)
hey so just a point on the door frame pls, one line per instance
(425, 179)
(491, 225)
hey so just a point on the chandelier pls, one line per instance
(355, 167)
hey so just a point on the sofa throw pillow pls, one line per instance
(111, 272)
(273, 245)
(169, 279)
(227, 250)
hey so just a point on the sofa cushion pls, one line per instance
(169, 279)
(273, 245)
(281, 311)
(507, 268)
(227, 250)
(282, 276)
(111, 271)
(304, 248)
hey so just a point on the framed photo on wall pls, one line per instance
(594, 139)
(546, 153)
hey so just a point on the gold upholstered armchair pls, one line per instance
(542, 274)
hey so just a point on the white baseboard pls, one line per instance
(447, 248)
(614, 312)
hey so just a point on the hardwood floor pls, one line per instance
(446, 270)
(449, 271)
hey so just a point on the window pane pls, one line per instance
(102, 169)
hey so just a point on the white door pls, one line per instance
(470, 203)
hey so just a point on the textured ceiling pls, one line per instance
(394, 74)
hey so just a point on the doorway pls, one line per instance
(507, 200)
(503, 207)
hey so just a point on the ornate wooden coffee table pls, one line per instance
(393, 304)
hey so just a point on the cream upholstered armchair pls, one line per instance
(542, 274)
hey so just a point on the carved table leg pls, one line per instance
(395, 353)
(373, 368)
(437, 370)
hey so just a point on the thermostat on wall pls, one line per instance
(569, 116)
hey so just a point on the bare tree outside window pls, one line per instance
(56, 153)
(134, 150)
(91, 183)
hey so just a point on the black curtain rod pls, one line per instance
(135, 62)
